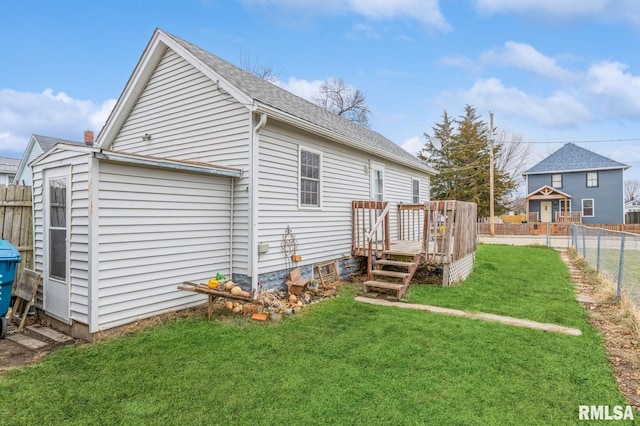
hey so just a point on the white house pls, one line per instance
(200, 169)
(8, 167)
(35, 147)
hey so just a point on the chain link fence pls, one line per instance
(614, 254)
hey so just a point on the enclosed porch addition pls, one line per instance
(397, 240)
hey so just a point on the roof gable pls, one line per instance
(44, 142)
(257, 95)
(572, 158)
(47, 142)
(547, 192)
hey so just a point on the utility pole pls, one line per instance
(491, 172)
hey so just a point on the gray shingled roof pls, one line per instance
(47, 142)
(278, 98)
(9, 165)
(571, 157)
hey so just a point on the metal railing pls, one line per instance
(615, 255)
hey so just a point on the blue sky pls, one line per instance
(553, 71)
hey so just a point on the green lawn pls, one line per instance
(340, 362)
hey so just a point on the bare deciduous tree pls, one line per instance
(346, 101)
(513, 156)
(265, 72)
(631, 190)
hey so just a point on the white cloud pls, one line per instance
(47, 113)
(365, 31)
(617, 90)
(526, 57)
(460, 61)
(413, 145)
(548, 7)
(427, 12)
(308, 90)
(602, 10)
(558, 110)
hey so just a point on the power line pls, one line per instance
(580, 141)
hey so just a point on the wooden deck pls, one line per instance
(442, 232)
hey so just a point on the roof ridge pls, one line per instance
(281, 99)
(571, 157)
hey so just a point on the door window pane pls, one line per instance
(58, 228)
(378, 184)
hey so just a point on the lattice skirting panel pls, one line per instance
(459, 270)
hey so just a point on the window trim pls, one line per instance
(593, 207)
(597, 180)
(320, 180)
(413, 195)
(552, 180)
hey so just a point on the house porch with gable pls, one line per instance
(550, 205)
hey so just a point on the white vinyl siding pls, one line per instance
(321, 234)
(190, 118)
(78, 233)
(157, 229)
(25, 176)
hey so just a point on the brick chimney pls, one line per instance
(88, 137)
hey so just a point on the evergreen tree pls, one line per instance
(463, 161)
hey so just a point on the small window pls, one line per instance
(415, 191)
(556, 181)
(309, 178)
(592, 179)
(587, 208)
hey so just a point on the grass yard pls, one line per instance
(341, 362)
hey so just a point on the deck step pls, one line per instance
(401, 253)
(391, 274)
(384, 285)
(397, 263)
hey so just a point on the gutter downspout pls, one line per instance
(232, 189)
(255, 142)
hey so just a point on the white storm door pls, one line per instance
(377, 181)
(545, 211)
(56, 270)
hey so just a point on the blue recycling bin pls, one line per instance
(9, 259)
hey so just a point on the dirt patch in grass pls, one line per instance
(619, 324)
(14, 355)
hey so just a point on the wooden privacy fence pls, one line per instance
(16, 223)
(553, 228)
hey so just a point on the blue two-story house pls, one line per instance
(575, 185)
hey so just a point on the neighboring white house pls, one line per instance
(36, 146)
(200, 169)
(8, 168)
(632, 211)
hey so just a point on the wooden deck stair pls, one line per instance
(392, 273)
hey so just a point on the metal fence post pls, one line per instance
(548, 226)
(584, 242)
(619, 291)
(598, 252)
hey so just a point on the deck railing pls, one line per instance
(365, 218)
(570, 217)
(446, 230)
